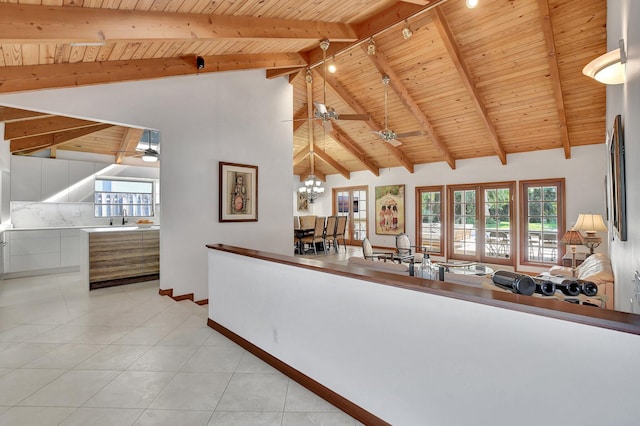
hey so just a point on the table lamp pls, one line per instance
(590, 224)
(573, 238)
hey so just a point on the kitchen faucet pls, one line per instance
(124, 214)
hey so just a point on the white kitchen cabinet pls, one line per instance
(55, 179)
(26, 178)
(41, 250)
(69, 248)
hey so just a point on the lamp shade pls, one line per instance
(590, 223)
(572, 238)
(608, 68)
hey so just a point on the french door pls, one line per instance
(482, 223)
(352, 203)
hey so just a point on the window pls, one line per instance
(429, 218)
(542, 216)
(352, 202)
(120, 197)
(481, 222)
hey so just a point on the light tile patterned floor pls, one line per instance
(127, 356)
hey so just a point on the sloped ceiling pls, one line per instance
(502, 78)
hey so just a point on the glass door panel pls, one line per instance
(497, 223)
(464, 222)
(352, 203)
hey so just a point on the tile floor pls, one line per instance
(127, 356)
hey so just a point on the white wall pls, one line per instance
(414, 358)
(584, 177)
(623, 17)
(203, 119)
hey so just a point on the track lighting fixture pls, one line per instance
(406, 31)
(371, 48)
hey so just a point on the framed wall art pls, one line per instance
(390, 210)
(238, 193)
(618, 197)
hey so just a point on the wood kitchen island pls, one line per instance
(120, 255)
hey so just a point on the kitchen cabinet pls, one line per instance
(122, 256)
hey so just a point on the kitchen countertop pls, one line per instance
(121, 228)
(85, 228)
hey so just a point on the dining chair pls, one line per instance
(317, 236)
(307, 222)
(341, 229)
(329, 235)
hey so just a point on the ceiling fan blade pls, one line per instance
(362, 117)
(321, 108)
(394, 142)
(409, 134)
(327, 126)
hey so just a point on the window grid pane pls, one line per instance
(542, 224)
(430, 220)
(123, 198)
(464, 218)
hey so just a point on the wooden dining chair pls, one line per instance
(329, 235)
(341, 229)
(317, 236)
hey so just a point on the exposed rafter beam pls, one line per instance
(396, 84)
(129, 142)
(318, 175)
(23, 23)
(333, 163)
(346, 97)
(8, 114)
(281, 72)
(449, 41)
(549, 38)
(300, 120)
(300, 157)
(50, 140)
(35, 77)
(351, 147)
(42, 126)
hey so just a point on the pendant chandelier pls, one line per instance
(312, 188)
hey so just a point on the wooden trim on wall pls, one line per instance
(318, 388)
(188, 296)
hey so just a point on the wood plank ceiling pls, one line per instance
(499, 79)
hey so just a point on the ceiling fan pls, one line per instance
(322, 111)
(387, 134)
(148, 154)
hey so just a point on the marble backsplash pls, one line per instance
(28, 214)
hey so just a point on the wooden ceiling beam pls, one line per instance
(318, 175)
(281, 72)
(44, 141)
(36, 77)
(8, 114)
(128, 143)
(340, 91)
(395, 83)
(554, 73)
(24, 23)
(377, 24)
(299, 120)
(42, 126)
(252, 61)
(352, 148)
(333, 163)
(300, 157)
(450, 43)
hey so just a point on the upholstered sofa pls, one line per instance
(596, 268)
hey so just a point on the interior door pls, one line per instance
(352, 203)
